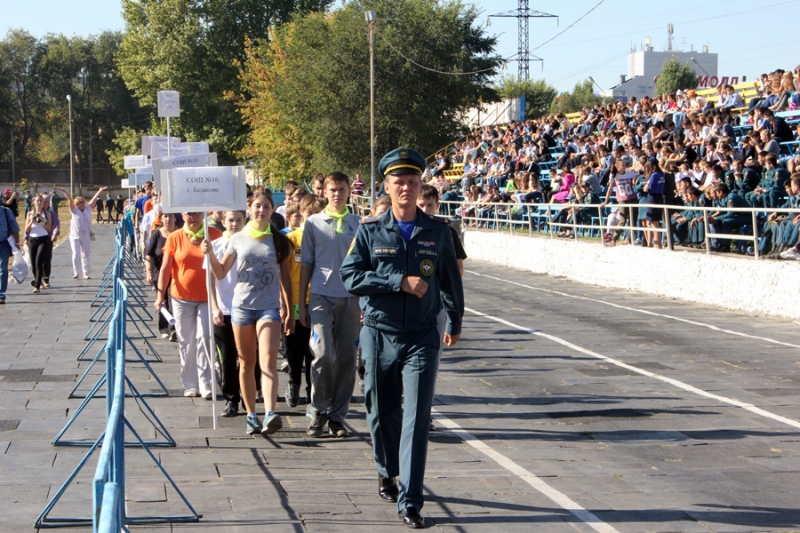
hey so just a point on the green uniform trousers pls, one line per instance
(399, 381)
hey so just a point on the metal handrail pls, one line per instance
(458, 207)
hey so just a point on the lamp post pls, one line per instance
(370, 16)
(71, 158)
(91, 170)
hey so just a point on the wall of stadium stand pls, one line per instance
(764, 287)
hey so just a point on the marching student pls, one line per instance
(261, 299)
(332, 313)
(298, 351)
(183, 274)
(221, 308)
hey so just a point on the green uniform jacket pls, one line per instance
(735, 200)
(380, 258)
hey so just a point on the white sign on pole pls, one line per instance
(147, 140)
(169, 104)
(137, 180)
(196, 148)
(148, 170)
(160, 166)
(160, 150)
(135, 161)
(125, 184)
(203, 189)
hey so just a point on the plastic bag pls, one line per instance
(19, 268)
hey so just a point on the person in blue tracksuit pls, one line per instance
(403, 266)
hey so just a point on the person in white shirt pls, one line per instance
(80, 232)
(221, 305)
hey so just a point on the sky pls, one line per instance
(750, 38)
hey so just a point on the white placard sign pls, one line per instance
(135, 161)
(160, 166)
(144, 170)
(137, 180)
(193, 189)
(169, 104)
(125, 184)
(197, 148)
(147, 140)
(159, 150)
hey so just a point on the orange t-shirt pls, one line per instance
(188, 274)
(148, 206)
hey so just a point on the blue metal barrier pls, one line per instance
(108, 486)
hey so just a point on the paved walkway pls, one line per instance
(544, 433)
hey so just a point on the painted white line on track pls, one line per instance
(559, 498)
(681, 385)
(651, 313)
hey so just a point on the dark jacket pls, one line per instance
(380, 258)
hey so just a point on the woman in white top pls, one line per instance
(38, 226)
(80, 232)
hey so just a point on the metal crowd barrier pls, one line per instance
(109, 483)
(498, 216)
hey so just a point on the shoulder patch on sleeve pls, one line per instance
(370, 220)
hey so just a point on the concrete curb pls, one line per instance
(768, 287)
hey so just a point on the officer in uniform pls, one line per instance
(403, 266)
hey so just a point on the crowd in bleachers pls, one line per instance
(736, 147)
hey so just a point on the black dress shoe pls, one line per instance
(412, 518)
(387, 489)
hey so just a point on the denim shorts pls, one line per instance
(249, 317)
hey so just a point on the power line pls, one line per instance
(571, 25)
(398, 52)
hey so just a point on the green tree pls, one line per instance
(538, 94)
(21, 91)
(675, 76)
(194, 46)
(581, 96)
(319, 65)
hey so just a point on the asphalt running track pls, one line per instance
(565, 407)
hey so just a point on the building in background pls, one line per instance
(645, 64)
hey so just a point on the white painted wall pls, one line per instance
(766, 287)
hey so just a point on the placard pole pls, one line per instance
(212, 345)
(168, 143)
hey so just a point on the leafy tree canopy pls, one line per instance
(194, 46)
(674, 76)
(307, 90)
(538, 94)
(581, 96)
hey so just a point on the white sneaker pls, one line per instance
(190, 393)
(791, 253)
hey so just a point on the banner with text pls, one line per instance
(160, 166)
(194, 189)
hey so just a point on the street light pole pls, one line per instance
(13, 162)
(91, 172)
(71, 157)
(370, 16)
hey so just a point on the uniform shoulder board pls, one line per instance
(370, 220)
(441, 220)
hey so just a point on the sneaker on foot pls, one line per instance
(272, 423)
(86, 277)
(791, 253)
(35, 290)
(46, 283)
(253, 425)
(337, 429)
(74, 276)
(231, 409)
(317, 424)
(292, 395)
(208, 396)
(189, 393)
(173, 337)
